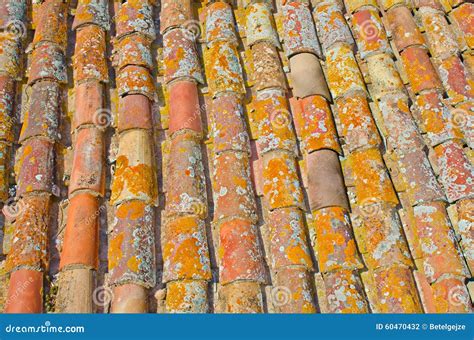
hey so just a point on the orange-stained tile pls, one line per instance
(135, 80)
(435, 4)
(260, 25)
(419, 69)
(293, 292)
(241, 297)
(233, 193)
(268, 72)
(336, 248)
(88, 171)
(220, 23)
(133, 50)
(354, 5)
(451, 296)
(5, 168)
(7, 120)
(81, 238)
(387, 4)
(465, 226)
(185, 182)
(94, 12)
(135, 16)
(47, 62)
(10, 55)
(345, 292)
(357, 125)
(90, 61)
(134, 113)
(457, 82)
(281, 185)
(402, 26)
(288, 245)
(175, 14)
(184, 108)
(25, 292)
(52, 15)
(240, 255)
(29, 248)
(187, 296)
(463, 17)
(131, 252)
(185, 250)
(88, 106)
(369, 32)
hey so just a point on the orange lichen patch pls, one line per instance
(43, 111)
(135, 50)
(300, 33)
(259, 25)
(135, 16)
(353, 5)
(228, 126)
(186, 297)
(293, 291)
(463, 17)
(331, 25)
(439, 35)
(456, 171)
(419, 69)
(451, 296)
(315, 126)
(134, 176)
(47, 62)
(180, 56)
(90, 55)
(288, 242)
(459, 85)
(29, 247)
(396, 291)
(465, 227)
(343, 73)
(357, 124)
(345, 292)
(185, 250)
(4, 170)
(34, 166)
(185, 182)
(223, 69)
(384, 75)
(403, 28)
(369, 32)
(241, 297)
(220, 23)
(131, 252)
(281, 185)
(380, 236)
(267, 67)
(92, 12)
(52, 19)
(88, 105)
(175, 14)
(10, 59)
(88, 171)
(371, 179)
(7, 95)
(335, 244)
(461, 118)
(233, 193)
(274, 121)
(81, 238)
(240, 256)
(135, 80)
(437, 244)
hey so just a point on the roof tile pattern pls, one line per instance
(237, 156)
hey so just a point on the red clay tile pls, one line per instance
(331, 25)
(387, 4)
(135, 16)
(129, 298)
(307, 76)
(135, 80)
(267, 68)
(325, 181)
(451, 296)
(186, 187)
(345, 292)
(357, 125)
(52, 15)
(180, 57)
(457, 82)
(260, 25)
(293, 291)
(34, 167)
(240, 257)
(29, 248)
(232, 188)
(95, 12)
(42, 116)
(187, 296)
(300, 33)
(419, 69)
(281, 185)
(184, 108)
(81, 238)
(403, 28)
(456, 171)
(134, 113)
(5, 168)
(465, 222)
(220, 23)
(89, 57)
(133, 50)
(47, 62)
(25, 292)
(428, 3)
(354, 5)
(463, 17)
(88, 171)
(241, 297)
(185, 250)
(175, 14)
(88, 105)
(7, 95)
(131, 252)
(369, 32)
(288, 244)
(228, 126)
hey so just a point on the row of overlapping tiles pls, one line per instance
(377, 249)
